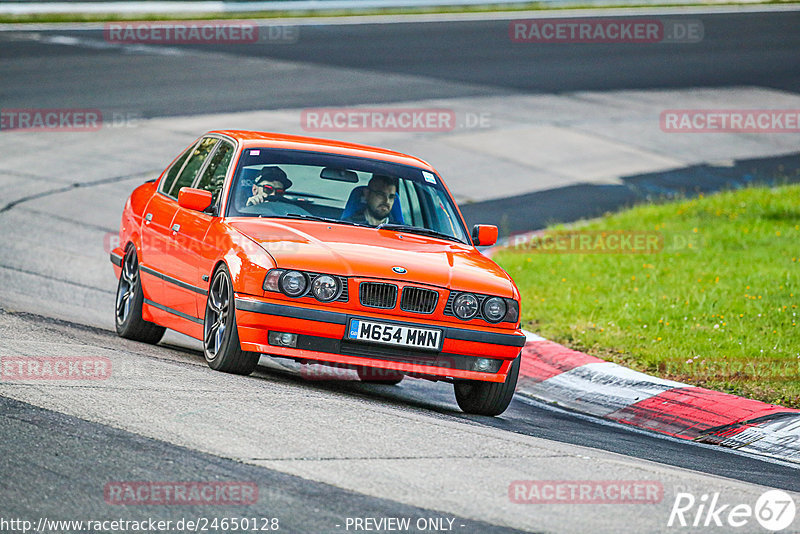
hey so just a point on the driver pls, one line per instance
(271, 184)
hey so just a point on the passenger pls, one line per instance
(378, 201)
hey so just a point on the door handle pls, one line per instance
(148, 218)
(176, 227)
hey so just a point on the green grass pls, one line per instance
(511, 6)
(717, 306)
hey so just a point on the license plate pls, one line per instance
(395, 334)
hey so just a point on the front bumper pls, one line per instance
(321, 338)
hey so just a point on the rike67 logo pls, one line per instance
(774, 510)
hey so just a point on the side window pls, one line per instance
(173, 171)
(194, 164)
(447, 218)
(410, 206)
(214, 175)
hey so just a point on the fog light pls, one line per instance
(486, 365)
(283, 339)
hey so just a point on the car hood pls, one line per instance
(368, 252)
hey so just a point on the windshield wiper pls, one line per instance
(385, 226)
(317, 218)
(417, 230)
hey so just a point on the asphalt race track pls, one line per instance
(374, 63)
(320, 452)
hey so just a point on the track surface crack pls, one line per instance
(75, 185)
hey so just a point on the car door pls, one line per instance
(195, 254)
(158, 213)
(175, 298)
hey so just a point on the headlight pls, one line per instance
(512, 315)
(293, 283)
(271, 280)
(465, 306)
(494, 309)
(325, 288)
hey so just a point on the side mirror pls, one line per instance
(484, 235)
(194, 199)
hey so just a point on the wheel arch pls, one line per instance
(216, 267)
(247, 262)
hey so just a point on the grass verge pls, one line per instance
(704, 291)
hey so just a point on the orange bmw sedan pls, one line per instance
(322, 252)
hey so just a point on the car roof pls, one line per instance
(251, 139)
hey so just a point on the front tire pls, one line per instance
(487, 398)
(130, 298)
(221, 345)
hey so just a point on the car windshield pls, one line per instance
(343, 190)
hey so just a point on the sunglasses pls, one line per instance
(271, 189)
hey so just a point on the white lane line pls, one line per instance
(96, 44)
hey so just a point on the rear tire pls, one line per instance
(379, 376)
(130, 298)
(221, 346)
(487, 398)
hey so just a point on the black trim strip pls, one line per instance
(291, 311)
(172, 280)
(116, 260)
(459, 334)
(485, 337)
(173, 312)
(391, 354)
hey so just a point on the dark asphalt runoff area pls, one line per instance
(75, 460)
(434, 60)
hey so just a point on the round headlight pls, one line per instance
(293, 283)
(465, 306)
(494, 309)
(325, 288)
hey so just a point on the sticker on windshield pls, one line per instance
(429, 177)
(255, 152)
